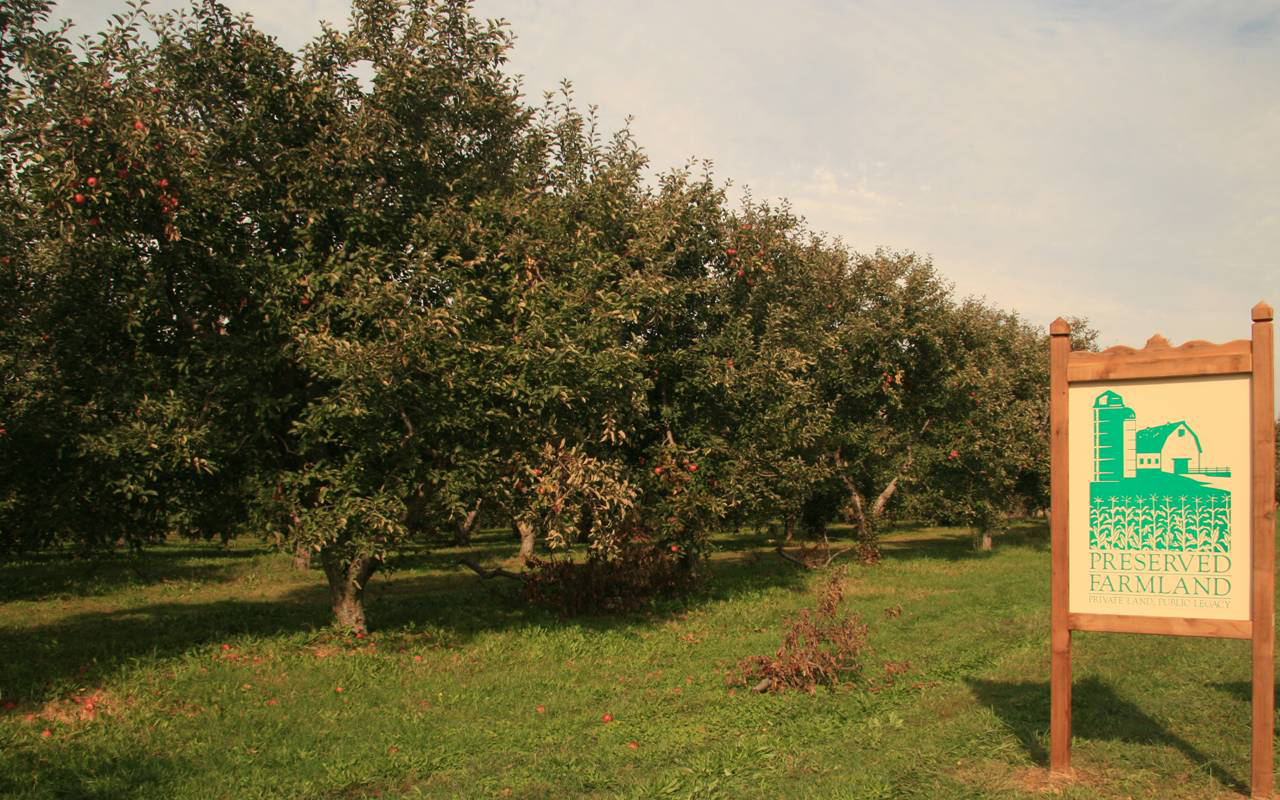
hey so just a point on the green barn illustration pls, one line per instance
(1148, 490)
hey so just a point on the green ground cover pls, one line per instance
(203, 672)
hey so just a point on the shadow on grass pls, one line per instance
(1242, 690)
(1098, 713)
(89, 647)
(951, 544)
(43, 576)
(463, 605)
(75, 770)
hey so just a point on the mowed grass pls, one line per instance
(212, 674)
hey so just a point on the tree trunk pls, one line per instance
(347, 582)
(868, 519)
(586, 523)
(986, 540)
(868, 544)
(688, 562)
(527, 540)
(415, 515)
(467, 526)
(301, 557)
(861, 516)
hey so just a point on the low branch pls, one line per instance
(792, 559)
(812, 565)
(486, 574)
(836, 555)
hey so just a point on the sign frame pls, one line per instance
(1158, 359)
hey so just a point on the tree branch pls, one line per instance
(826, 562)
(836, 555)
(486, 574)
(410, 433)
(798, 562)
(877, 508)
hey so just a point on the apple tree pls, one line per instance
(992, 463)
(883, 376)
(127, 412)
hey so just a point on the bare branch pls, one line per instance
(836, 555)
(877, 508)
(486, 574)
(792, 559)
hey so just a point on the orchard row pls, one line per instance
(243, 291)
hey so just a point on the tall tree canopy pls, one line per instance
(353, 295)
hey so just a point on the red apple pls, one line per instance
(693, 467)
(954, 454)
(79, 199)
(607, 718)
(91, 181)
(732, 251)
(657, 470)
(741, 273)
(137, 125)
(163, 183)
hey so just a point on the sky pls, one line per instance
(1117, 160)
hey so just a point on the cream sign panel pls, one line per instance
(1159, 483)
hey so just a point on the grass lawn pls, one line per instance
(211, 674)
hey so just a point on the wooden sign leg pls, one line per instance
(1263, 600)
(1060, 703)
(1060, 633)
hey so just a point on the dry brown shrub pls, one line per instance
(820, 647)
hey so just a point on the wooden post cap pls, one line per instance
(1263, 312)
(1059, 327)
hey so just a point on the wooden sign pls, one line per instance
(1163, 501)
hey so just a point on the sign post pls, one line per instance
(1163, 506)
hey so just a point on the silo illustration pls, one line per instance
(1115, 446)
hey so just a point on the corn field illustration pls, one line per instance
(1187, 523)
(1151, 489)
